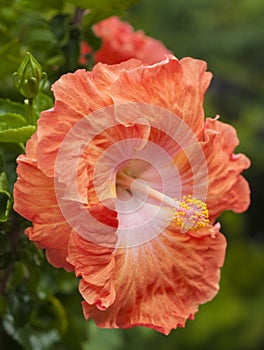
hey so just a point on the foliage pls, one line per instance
(38, 310)
(39, 305)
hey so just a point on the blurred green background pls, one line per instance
(228, 35)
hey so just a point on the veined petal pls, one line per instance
(227, 189)
(77, 95)
(140, 221)
(56, 256)
(35, 199)
(72, 103)
(161, 284)
(185, 80)
(95, 264)
(109, 166)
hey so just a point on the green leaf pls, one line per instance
(3, 182)
(60, 27)
(18, 135)
(88, 20)
(8, 106)
(42, 102)
(14, 128)
(11, 121)
(5, 198)
(40, 5)
(8, 155)
(103, 5)
(6, 47)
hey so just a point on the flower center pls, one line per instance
(190, 213)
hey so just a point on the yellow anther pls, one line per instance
(192, 214)
(189, 213)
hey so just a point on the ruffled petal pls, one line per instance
(94, 264)
(35, 199)
(56, 257)
(68, 186)
(178, 86)
(220, 184)
(77, 95)
(161, 284)
(227, 189)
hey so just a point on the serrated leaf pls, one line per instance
(14, 128)
(8, 106)
(5, 198)
(11, 121)
(18, 135)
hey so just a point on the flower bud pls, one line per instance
(28, 76)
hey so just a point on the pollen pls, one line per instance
(191, 214)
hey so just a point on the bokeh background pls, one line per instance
(39, 305)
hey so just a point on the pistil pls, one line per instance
(190, 213)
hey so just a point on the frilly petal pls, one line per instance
(227, 188)
(76, 95)
(178, 86)
(221, 182)
(95, 264)
(35, 199)
(161, 284)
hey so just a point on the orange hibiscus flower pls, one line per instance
(123, 181)
(120, 43)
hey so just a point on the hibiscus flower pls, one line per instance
(120, 42)
(123, 181)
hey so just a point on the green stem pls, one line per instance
(29, 111)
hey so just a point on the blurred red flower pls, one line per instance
(120, 43)
(123, 181)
